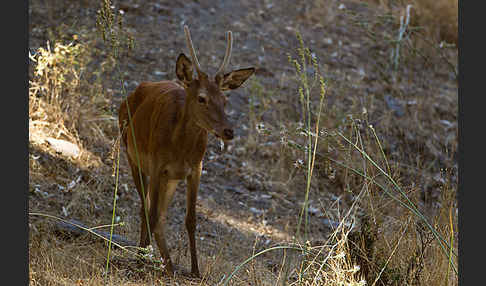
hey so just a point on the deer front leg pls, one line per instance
(161, 198)
(192, 188)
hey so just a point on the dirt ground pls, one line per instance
(246, 202)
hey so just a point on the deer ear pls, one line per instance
(184, 69)
(235, 79)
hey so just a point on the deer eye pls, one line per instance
(201, 99)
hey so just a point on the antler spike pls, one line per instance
(191, 50)
(227, 55)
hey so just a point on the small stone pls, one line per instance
(66, 148)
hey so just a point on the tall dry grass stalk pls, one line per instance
(399, 257)
(305, 88)
(109, 23)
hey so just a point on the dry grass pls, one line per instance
(392, 246)
(440, 18)
(437, 19)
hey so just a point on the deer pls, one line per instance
(171, 121)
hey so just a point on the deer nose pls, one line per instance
(228, 134)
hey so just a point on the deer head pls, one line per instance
(205, 93)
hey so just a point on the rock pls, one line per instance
(160, 73)
(330, 223)
(234, 190)
(265, 196)
(66, 148)
(313, 211)
(74, 228)
(327, 41)
(394, 105)
(256, 211)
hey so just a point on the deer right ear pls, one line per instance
(184, 69)
(234, 79)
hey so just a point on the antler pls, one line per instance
(191, 50)
(227, 55)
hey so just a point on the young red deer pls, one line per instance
(171, 123)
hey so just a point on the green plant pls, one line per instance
(110, 26)
(310, 121)
(305, 88)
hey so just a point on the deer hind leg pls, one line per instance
(144, 237)
(161, 198)
(192, 188)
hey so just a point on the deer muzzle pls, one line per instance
(228, 134)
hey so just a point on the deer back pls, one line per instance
(163, 131)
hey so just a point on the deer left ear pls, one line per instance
(184, 69)
(235, 79)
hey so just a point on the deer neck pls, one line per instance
(187, 132)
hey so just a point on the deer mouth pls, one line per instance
(228, 134)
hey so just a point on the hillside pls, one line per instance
(387, 124)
